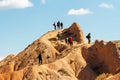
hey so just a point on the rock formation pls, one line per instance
(75, 31)
(81, 61)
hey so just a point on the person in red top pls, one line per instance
(71, 41)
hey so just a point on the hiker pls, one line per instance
(89, 38)
(70, 41)
(66, 40)
(59, 35)
(54, 26)
(40, 58)
(61, 24)
(58, 25)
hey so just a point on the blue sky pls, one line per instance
(23, 21)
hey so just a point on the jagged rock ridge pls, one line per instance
(82, 61)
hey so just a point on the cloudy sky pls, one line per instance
(23, 21)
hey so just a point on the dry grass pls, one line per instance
(103, 76)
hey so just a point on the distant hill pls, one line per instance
(95, 61)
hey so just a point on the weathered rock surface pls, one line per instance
(81, 61)
(100, 56)
(7, 59)
(75, 31)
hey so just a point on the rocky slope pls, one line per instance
(81, 61)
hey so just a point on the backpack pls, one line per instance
(88, 36)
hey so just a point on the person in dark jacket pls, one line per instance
(58, 25)
(66, 40)
(59, 35)
(54, 25)
(40, 58)
(61, 24)
(89, 38)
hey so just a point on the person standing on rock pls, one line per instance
(59, 35)
(40, 58)
(66, 40)
(89, 38)
(61, 24)
(54, 26)
(71, 41)
(58, 25)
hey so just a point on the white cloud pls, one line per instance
(9, 4)
(43, 1)
(105, 5)
(81, 11)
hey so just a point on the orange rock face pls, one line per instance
(61, 61)
(101, 55)
(76, 32)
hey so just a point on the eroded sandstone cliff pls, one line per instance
(81, 61)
